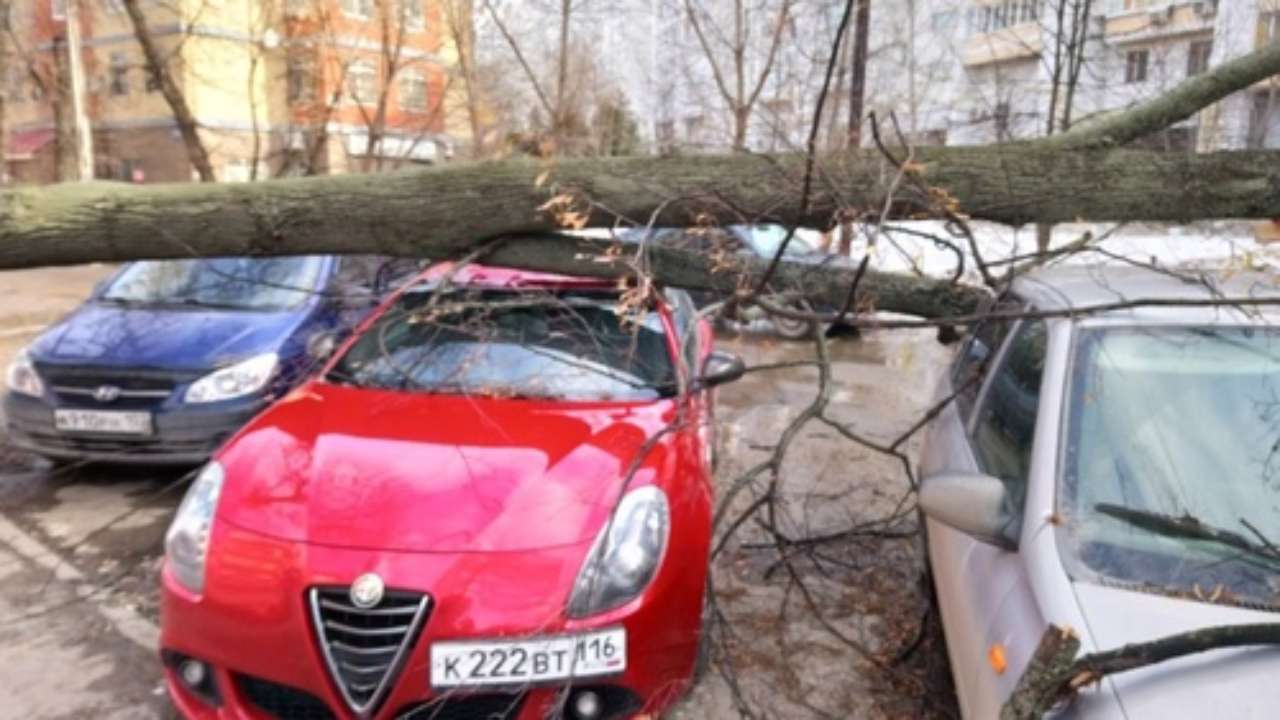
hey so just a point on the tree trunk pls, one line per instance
(4, 95)
(441, 210)
(858, 83)
(159, 70)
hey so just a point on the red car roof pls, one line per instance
(502, 277)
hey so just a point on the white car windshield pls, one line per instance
(1172, 462)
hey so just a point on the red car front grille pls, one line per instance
(365, 649)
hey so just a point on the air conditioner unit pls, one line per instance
(1206, 8)
(1161, 16)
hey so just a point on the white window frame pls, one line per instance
(118, 70)
(360, 9)
(362, 68)
(417, 18)
(306, 66)
(1130, 64)
(58, 9)
(411, 78)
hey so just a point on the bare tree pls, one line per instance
(460, 26)
(162, 74)
(729, 54)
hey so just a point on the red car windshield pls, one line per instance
(525, 344)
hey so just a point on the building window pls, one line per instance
(17, 85)
(1264, 122)
(118, 74)
(153, 80)
(362, 83)
(58, 8)
(1000, 118)
(1269, 28)
(1006, 13)
(412, 15)
(413, 91)
(1135, 66)
(665, 130)
(358, 8)
(1198, 56)
(693, 127)
(300, 78)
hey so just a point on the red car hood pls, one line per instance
(360, 468)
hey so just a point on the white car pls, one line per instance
(1059, 487)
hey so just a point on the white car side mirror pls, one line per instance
(976, 505)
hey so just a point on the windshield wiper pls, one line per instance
(1186, 526)
(197, 302)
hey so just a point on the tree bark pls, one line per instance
(4, 94)
(858, 79)
(444, 211)
(159, 69)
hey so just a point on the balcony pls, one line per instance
(1016, 42)
(1152, 22)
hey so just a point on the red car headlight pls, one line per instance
(625, 555)
(186, 544)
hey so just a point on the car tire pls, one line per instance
(792, 329)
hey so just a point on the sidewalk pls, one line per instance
(65, 657)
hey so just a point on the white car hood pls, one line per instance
(1233, 683)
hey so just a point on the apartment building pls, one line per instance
(992, 66)
(276, 87)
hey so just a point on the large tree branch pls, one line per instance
(1055, 672)
(1193, 95)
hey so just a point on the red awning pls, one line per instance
(23, 145)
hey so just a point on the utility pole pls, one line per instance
(79, 114)
(858, 77)
(4, 77)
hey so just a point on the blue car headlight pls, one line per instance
(625, 555)
(22, 377)
(243, 378)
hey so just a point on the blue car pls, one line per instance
(166, 359)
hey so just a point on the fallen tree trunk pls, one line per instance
(444, 212)
(440, 211)
(456, 206)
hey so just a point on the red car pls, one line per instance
(493, 502)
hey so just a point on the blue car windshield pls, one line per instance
(225, 283)
(1172, 462)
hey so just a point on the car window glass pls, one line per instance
(977, 355)
(236, 283)
(1003, 434)
(519, 344)
(684, 318)
(359, 270)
